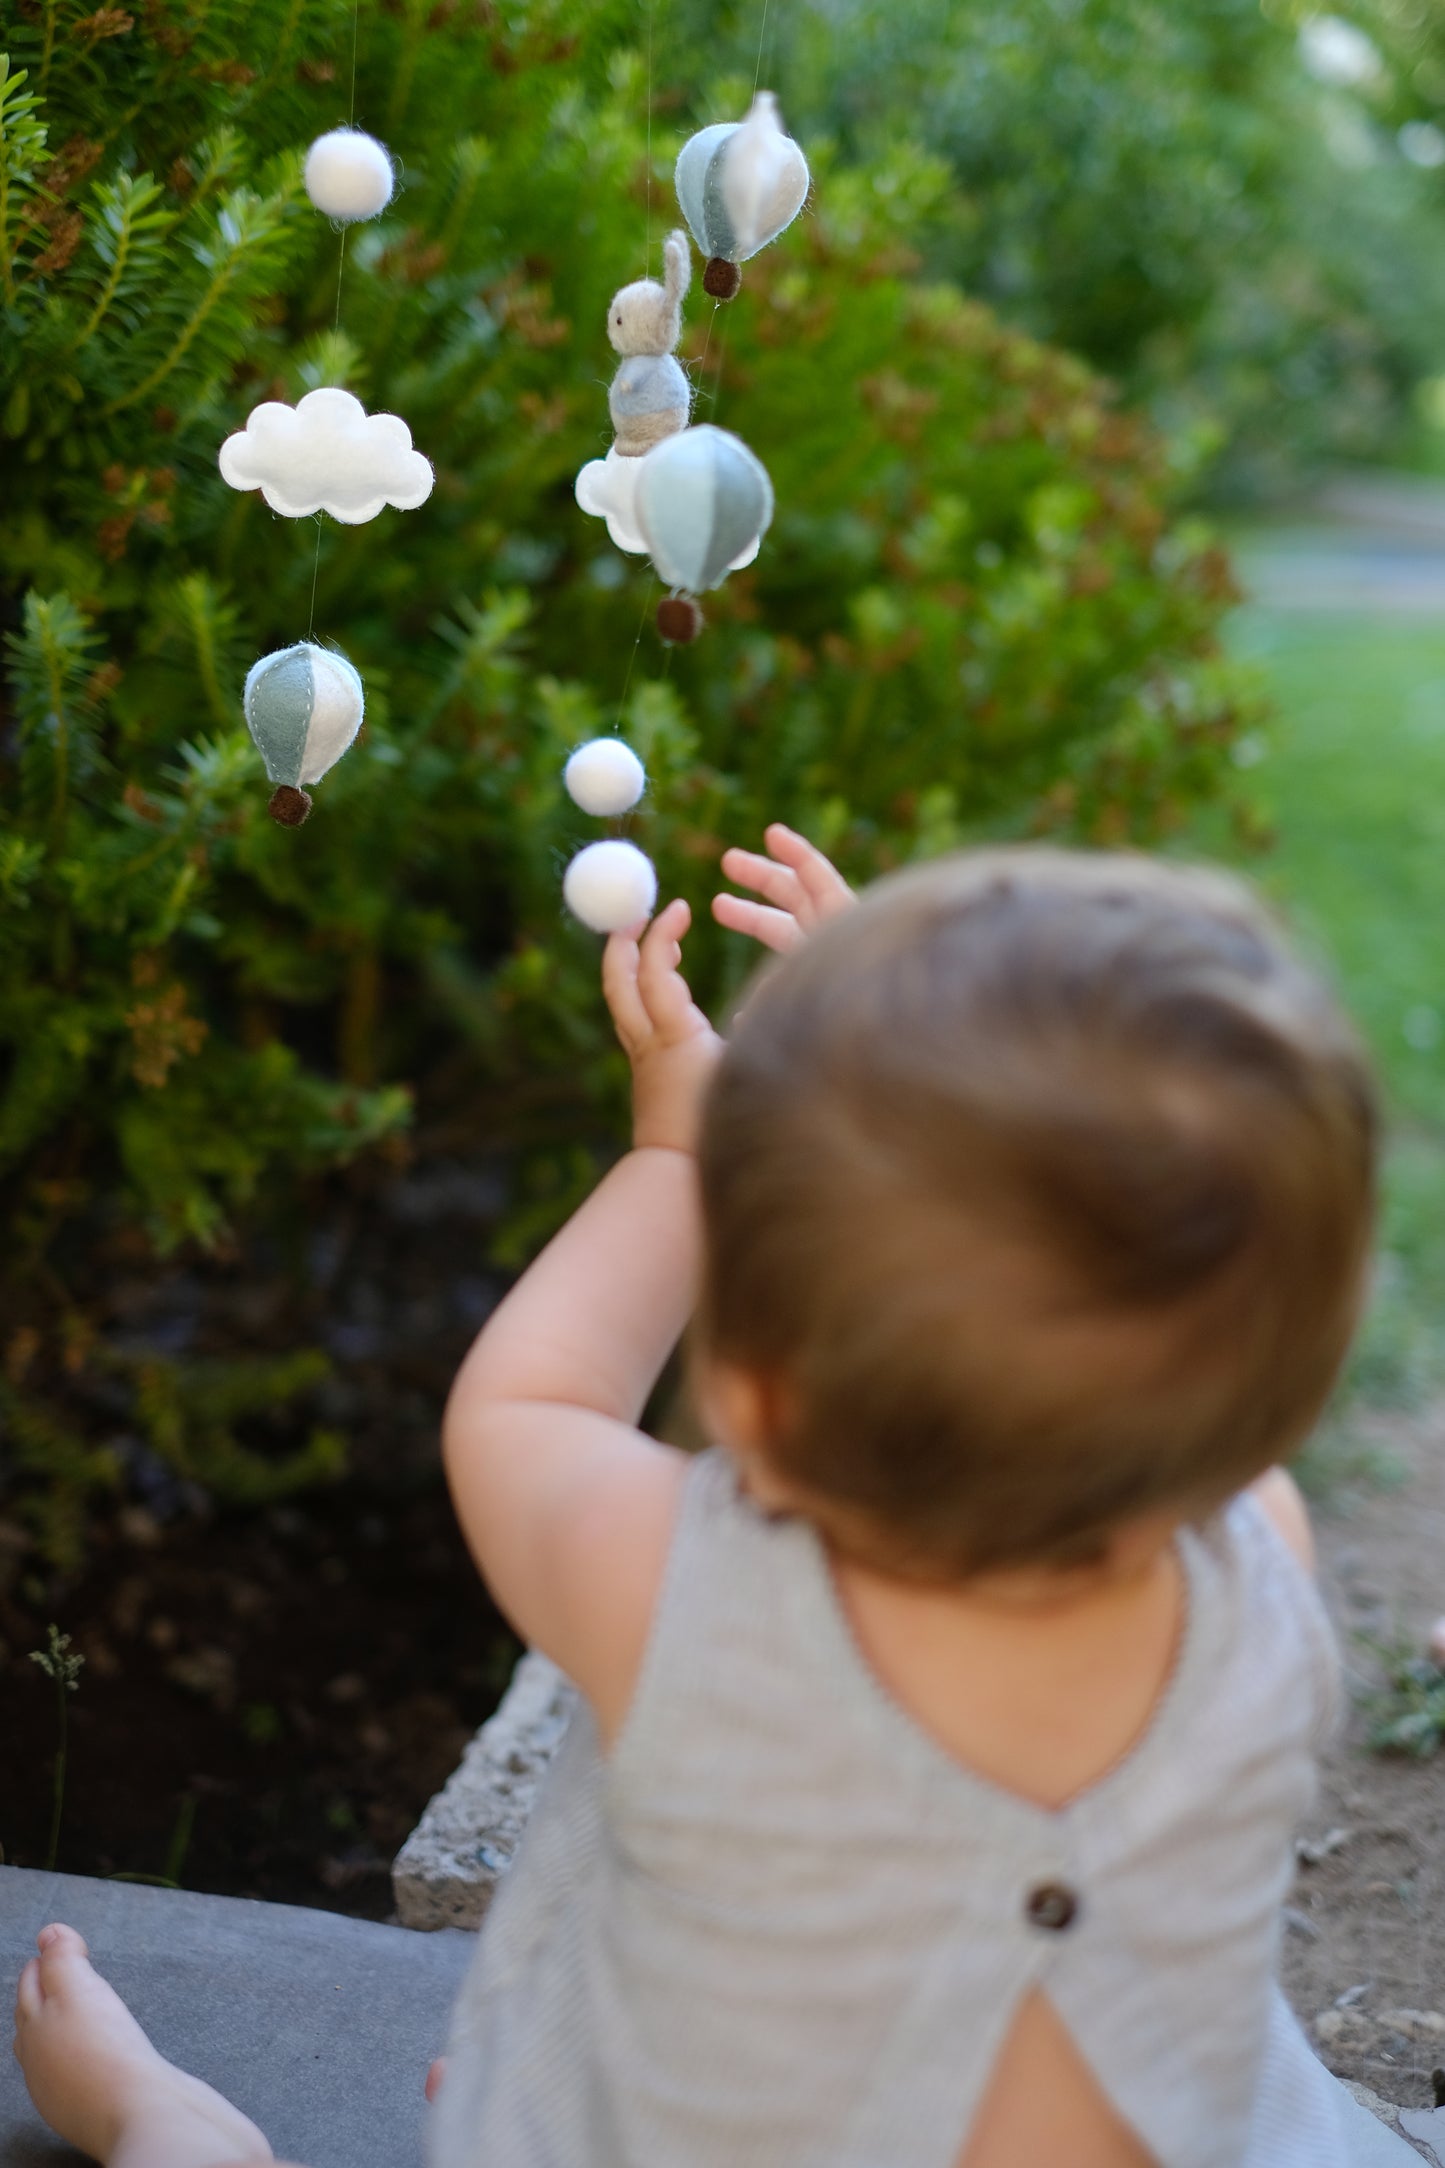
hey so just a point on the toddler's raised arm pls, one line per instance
(567, 1507)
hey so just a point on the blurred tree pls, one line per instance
(972, 614)
(1163, 189)
(1380, 70)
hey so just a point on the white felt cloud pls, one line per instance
(607, 488)
(327, 454)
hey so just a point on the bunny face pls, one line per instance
(642, 319)
(645, 318)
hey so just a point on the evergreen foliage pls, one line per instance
(973, 614)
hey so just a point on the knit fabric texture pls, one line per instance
(779, 1928)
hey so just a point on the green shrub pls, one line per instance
(972, 614)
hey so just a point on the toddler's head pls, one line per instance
(1038, 1194)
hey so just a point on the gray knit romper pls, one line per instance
(777, 1927)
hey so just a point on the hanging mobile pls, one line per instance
(304, 704)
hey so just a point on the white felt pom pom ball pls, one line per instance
(349, 175)
(610, 886)
(604, 777)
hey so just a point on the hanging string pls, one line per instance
(722, 354)
(646, 268)
(762, 33)
(355, 19)
(315, 576)
(351, 123)
(632, 658)
(336, 313)
(647, 257)
(340, 268)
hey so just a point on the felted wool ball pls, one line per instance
(303, 707)
(349, 175)
(610, 886)
(604, 777)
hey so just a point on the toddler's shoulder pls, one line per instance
(1259, 1559)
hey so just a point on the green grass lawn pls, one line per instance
(1352, 775)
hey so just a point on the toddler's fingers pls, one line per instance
(660, 983)
(818, 877)
(620, 963)
(775, 929)
(778, 883)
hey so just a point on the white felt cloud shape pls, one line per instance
(607, 488)
(327, 454)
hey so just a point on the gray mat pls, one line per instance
(319, 2027)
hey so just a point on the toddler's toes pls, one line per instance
(97, 2080)
(64, 1959)
(28, 1997)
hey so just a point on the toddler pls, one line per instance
(946, 1726)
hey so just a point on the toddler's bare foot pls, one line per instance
(99, 2083)
(434, 2077)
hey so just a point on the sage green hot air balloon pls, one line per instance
(703, 503)
(304, 706)
(740, 183)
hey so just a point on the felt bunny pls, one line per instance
(650, 397)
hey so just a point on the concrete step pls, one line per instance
(447, 1870)
(319, 2027)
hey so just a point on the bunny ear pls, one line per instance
(677, 262)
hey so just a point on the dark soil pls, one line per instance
(269, 1696)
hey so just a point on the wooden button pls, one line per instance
(1052, 1906)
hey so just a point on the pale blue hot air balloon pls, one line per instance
(303, 706)
(702, 504)
(740, 183)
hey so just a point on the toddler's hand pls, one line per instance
(669, 1042)
(802, 887)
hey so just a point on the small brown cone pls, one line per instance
(289, 806)
(721, 279)
(679, 620)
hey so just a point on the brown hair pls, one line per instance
(1041, 1185)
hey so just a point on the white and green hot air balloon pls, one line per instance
(702, 504)
(304, 706)
(740, 184)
